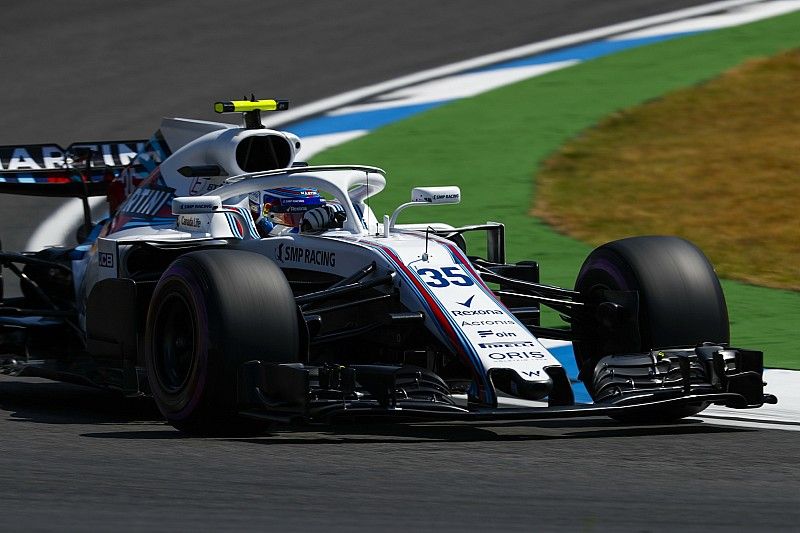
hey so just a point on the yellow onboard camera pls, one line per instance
(251, 109)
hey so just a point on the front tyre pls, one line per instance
(212, 311)
(680, 304)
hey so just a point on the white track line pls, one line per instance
(737, 17)
(454, 87)
(317, 143)
(785, 415)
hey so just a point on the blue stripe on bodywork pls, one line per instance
(566, 357)
(232, 225)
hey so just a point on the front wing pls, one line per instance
(296, 392)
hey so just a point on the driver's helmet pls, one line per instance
(285, 206)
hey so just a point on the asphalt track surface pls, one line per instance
(75, 458)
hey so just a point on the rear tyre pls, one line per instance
(212, 311)
(680, 304)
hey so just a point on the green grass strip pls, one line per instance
(492, 144)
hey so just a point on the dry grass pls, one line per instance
(718, 164)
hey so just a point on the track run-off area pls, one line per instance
(76, 458)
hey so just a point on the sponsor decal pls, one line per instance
(294, 202)
(473, 312)
(486, 322)
(507, 344)
(468, 301)
(425, 196)
(51, 156)
(201, 185)
(309, 256)
(515, 356)
(201, 205)
(191, 222)
(445, 196)
(444, 277)
(106, 260)
(146, 201)
(489, 333)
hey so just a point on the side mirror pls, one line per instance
(436, 195)
(424, 196)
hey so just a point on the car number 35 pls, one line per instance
(442, 277)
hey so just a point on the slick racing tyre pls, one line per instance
(680, 304)
(212, 311)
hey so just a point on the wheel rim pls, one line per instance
(174, 343)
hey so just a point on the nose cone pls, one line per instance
(511, 382)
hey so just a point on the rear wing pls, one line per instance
(80, 170)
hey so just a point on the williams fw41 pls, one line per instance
(238, 288)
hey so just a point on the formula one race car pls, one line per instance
(238, 287)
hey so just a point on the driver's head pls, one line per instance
(285, 206)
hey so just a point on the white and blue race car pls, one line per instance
(184, 295)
